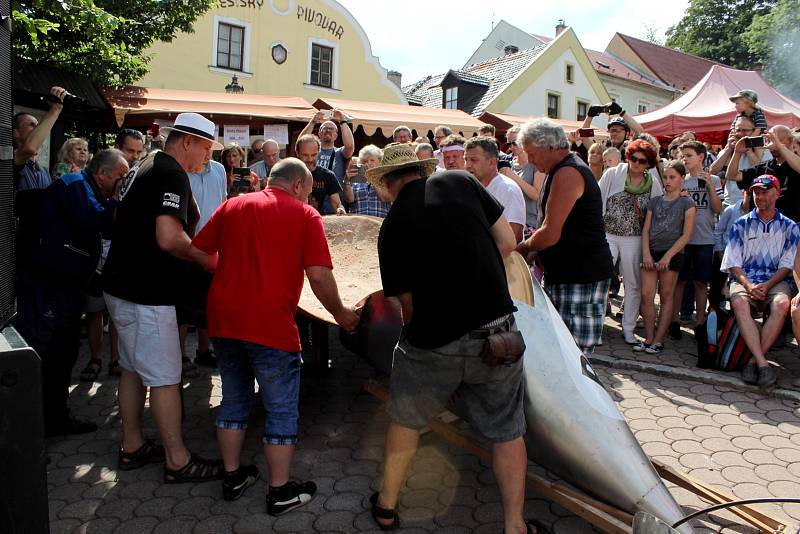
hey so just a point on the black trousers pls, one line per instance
(718, 280)
(49, 319)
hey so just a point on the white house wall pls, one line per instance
(629, 94)
(533, 101)
(504, 34)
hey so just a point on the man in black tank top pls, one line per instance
(578, 268)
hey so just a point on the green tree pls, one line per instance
(103, 39)
(714, 29)
(774, 39)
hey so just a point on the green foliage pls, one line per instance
(774, 38)
(714, 29)
(103, 39)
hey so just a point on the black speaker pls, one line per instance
(23, 477)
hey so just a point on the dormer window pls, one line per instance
(451, 98)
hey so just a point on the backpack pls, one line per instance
(719, 344)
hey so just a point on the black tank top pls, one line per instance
(581, 255)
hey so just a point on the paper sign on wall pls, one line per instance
(278, 132)
(239, 134)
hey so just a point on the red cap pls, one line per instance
(765, 181)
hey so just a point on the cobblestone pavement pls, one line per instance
(739, 440)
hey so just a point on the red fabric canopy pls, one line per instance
(706, 109)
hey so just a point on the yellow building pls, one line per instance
(308, 48)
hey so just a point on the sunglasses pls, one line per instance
(763, 181)
(640, 161)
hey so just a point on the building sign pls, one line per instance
(277, 132)
(239, 134)
(242, 3)
(317, 18)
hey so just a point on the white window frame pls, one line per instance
(335, 71)
(245, 73)
(643, 103)
(567, 67)
(447, 99)
(547, 95)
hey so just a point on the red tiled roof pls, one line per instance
(673, 67)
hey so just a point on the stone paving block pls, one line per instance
(773, 473)
(794, 469)
(339, 521)
(425, 481)
(572, 525)
(179, 491)
(346, 501)
(82, 510)
(218, 524)
(709, 476)
(728, 458)
(361, 467)
(297, 521)
(54, 506)
(788, 455)
(459, 496)
(489, 528)
(254, 524)
(160, 507)
(719, 444)
(707, 431)
(737, 474)
(63, 526)
(120, 508)
(354, 483)
(141, 490)
(195, 506)
(487, 512)
(456, 516)
(139, 525)
(677, 434)
(105, 525)
(761, 457)
(748, 442)
(68, 492)
(176, 525)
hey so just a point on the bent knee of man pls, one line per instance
(780, 304)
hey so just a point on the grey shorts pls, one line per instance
(423, 381)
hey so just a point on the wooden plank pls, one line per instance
(759, 520)
(599, 514)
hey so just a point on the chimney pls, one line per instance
(560, 27)
(395, 77)
(511, 49)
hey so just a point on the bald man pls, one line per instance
(270, 153)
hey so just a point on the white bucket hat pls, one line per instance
(196, 125)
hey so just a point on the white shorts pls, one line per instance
(149, 344)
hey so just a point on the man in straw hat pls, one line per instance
(154, 221)
(441, 253)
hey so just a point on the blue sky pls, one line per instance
(419, 38)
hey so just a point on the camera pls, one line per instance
(754, 142)
(241, 183)
(361, 174)
(69, 99)
(586, 132)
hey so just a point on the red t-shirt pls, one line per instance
(265, 241)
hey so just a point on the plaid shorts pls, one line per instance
(582, 308)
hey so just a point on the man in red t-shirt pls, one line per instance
(266, 241)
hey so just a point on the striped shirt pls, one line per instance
(760, 248)
(366, 201)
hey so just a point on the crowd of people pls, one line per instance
(172, 239)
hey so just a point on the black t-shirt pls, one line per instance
(137, 269)
(789, 201)
(437, 245)
(325, 184)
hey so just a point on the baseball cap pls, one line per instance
(765, 181)
(749, 94)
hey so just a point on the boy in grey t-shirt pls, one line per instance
(705, 190)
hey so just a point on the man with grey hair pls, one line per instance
(75, 210)
(270, 154)
(423, 151)
(571, 240)
(265, 243)
(402, 134)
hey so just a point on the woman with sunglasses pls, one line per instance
(626, 191)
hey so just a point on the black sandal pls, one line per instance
(149, 453)
(197, 469)
(92, 369)
(114, 368)
(383, 513)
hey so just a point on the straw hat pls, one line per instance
(196, 125)
(398, 156)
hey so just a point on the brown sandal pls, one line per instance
(197, 469)
(149, 453)
(92, 369)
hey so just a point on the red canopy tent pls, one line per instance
(706, 109)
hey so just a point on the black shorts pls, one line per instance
(675, 263)
(698, 263)
(193, 299)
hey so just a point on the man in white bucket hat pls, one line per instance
(152, 240)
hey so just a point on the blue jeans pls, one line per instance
(278, 376)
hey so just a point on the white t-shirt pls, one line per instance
(509, 195)
(732, 192)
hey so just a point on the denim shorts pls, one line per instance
(424, 380)
(278, 375)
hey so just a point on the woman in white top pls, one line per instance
(626, 190)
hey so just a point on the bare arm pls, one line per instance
(529, 190)
(733, 173)
(348, 143)
(647, 258)
(173, 240)
(632, 123)
(715, 201)
(336, 203)
(722, 159)
(316, 119)
(349, 195)
(323, 284)
(796, 271)
(565, 191)
(38, 135)
(503, 236)
(791, 158)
